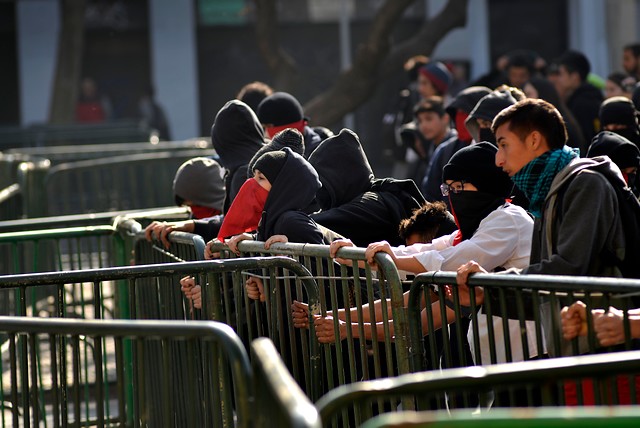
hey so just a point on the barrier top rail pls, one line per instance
(107, 149)
(568, 417)
(537, 282)
(182, 268)
(478, 377)
(70, 232)
(384, 261)
(90, 219)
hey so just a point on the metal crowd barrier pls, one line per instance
(88, 379)
(142, 216)
(547, 376)
(68, 243)
(96, 185)
(75, 152)
(527, 306)
(279, 401)
(611, 417)
(352, 358)
(153, 292)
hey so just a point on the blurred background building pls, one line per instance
(198, 53)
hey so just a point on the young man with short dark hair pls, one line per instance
(566, 193)
(631, 59)
(582, 98)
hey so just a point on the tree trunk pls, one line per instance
(281, 64)
(69, 62)
(374, 62)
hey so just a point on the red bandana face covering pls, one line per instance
(273, 130)
(199, 211)
(245, 210)
(463, 132)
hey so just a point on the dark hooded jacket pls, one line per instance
(293, 190)
(584, 103)
(311, 141)
(486, 109)
(353, 202)
(236, 135)
(465, 101)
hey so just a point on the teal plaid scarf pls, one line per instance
(535, 178)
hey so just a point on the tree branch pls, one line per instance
(69, 62)
(374, 62)
(282, 65)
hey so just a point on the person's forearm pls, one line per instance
(368, 330)
(634, 321)
(409, 264)
(366, 312)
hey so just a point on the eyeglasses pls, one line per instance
(455, 187)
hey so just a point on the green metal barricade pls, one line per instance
(547, 375)
(162, 281)
(356, 355)
(143, 216)
(384, 354)
(84, 380)
(527, 306)
(59, 154)
(279, 401)
(97, 185)
(614, 417)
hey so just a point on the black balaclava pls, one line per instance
(621, 111)
(620, 150)
(475, 164)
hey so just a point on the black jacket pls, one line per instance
(584, 103)
(293, 190)
(355, 204)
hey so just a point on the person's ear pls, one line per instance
(535, 140)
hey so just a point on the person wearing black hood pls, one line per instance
(236, 135)
(582, 98)
(489, 228)
(352, 201)
(458, 110)
(479, 121)
(282, 110)
(618, 114)
(621, 151)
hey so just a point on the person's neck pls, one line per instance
(441, 137)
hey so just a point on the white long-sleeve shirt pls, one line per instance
(503, 239)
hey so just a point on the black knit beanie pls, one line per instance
(618, 111)
(467, 99)
(270, 164)
(476, 164)
(621, 151)
(279, 108)
(289, 137)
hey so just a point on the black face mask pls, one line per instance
(487, 135)
(630, 134)
(470, 208)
